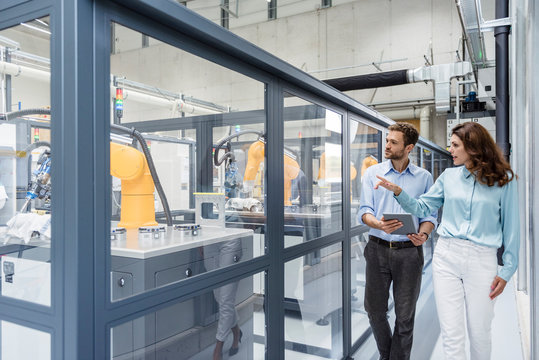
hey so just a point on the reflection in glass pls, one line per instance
(228, 321)
(360, 321)
(176, 211)
(312, 171)
(313, 303)
(427, 160)
(26, 186)
(437, 169)
(415, 156)
(217, 256)
(365, 149)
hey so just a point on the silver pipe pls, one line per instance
(355, 66)
(481, 38)
(9, 43)
(464, 32)
(28, 56)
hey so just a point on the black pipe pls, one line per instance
(135, 134)
(369, 81)
(502, 88)
(35, 145)
(219, 146)
(502, 79)
(16, 114)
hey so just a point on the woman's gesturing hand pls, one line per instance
(388, 185)
(497, 287)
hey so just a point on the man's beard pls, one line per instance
(396, 156)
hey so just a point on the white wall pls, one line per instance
(29, 92)
(348, 34)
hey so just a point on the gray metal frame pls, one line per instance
(82, 314)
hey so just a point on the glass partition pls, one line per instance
(16, 339)
(26, 185)
(437, 165)
(365, 148)
(359, 319)
(415, 156)
(313, 305)
(182, 201)
(312, 171)
(427, 159)
(229, 320)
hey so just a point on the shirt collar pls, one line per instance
(466, 172)
(411, 168)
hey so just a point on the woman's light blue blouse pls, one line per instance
(473, 211)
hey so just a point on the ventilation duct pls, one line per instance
(441, 75)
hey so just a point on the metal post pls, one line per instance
(502, 79)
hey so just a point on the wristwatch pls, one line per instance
(428, 236)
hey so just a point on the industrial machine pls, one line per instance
(130, 165)
(254, 158)
(144, 253)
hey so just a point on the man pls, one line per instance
(394, 258)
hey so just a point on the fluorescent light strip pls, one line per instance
(42, 22)
(36, 28)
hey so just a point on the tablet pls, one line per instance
(408, 226)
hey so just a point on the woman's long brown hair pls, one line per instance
(487, 161)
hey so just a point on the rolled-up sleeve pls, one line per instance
(433, 217)
(427, 204)
(510, 230)
(366, 200)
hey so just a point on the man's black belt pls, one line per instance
(392, 244)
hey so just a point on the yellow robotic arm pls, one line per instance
(129, 165)
(322, 168)
(255, 156)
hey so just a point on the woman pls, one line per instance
(480, 215)
(217, 256)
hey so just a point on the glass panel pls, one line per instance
(312, 171)
(227, 319)
(313, 305)
(437, 169)
(25, 162)
(241, 177)
(177, 187)
(415, 155)
(365, 151)
(427, 160)
(360, 321)
(16, 340)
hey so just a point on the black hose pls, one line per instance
(36, 145)
(369, 81)
(227, 155)
(137, 135)
(216, 160)
(19, 113)
(132, 132)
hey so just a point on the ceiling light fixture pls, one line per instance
(42, 22)
(36, 28)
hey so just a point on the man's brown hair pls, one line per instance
(409, 132)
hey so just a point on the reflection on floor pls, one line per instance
(319, 336)
(246, 352)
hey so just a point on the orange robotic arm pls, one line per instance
(255, 157)
(129, 164)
